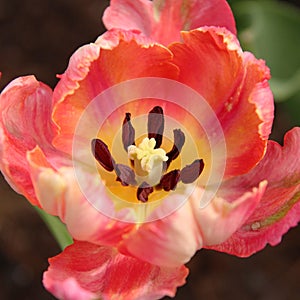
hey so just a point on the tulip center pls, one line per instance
(147, 161)
(147, 172)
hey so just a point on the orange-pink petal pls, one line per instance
(235, 85)
(101, 272)
(162, 20)
(279, 208)
(115, 57)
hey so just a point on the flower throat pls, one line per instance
(149, 164)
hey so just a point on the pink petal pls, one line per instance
(101, 272)
(163, 20)
(25, 122)
(68, 289)
(173, 240)
(128, 15)
(279, 208)
(235, 85)
(169, 241)
(59, 194)
(223, 216)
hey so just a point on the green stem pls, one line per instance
(57, 228)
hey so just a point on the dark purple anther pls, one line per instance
(156, 124)
(143, 192)
(179, 140)
(128, 132)
(191, 172)
(102, 154)
(125, 175)
(169, 181)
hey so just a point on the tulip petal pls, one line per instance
(59, 194)
(101, 272)
(191, 227)
(68, 289)
(162, 20)
(279, 208)
(129, 15)
(223, 216)
(115, 57)
(235, 85)
(25, 122)
(170, 241)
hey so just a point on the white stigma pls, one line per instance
(148, 161)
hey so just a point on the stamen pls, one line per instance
(148, 161)
(169, 181)
(156, 124)
(102, 154)
(191, 172)
(125, 175)
(143, 192)
(128, 132)
(179, 140)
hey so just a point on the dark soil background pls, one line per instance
(38, 37)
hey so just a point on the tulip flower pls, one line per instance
(153, 145)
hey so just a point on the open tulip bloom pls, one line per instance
(153, 145)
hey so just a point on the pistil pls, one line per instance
(148, 161)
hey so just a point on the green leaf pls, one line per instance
(270, 30)
(57, 228)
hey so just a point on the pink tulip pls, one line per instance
(132, 252)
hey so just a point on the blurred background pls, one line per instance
(38, 36)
